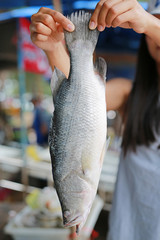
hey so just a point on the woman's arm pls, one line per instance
(125, 14)
(59, 58)
(117, 93)
(153, 29)
(47, 33)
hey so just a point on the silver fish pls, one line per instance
(79, 124)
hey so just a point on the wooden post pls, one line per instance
(57, 5)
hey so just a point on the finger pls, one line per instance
(123, 20)
(125, 25)
(45, 19)
(60, 18)
(59, 28)
(116, 10)
(94, 17)
(107, 5)
(60, 36)
(36, 37)
(39, 27)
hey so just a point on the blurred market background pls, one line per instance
(28, 204)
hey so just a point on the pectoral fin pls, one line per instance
(101, 67)
(56, 80)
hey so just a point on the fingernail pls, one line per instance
(70, 27)
(100, 28)
(92, 25)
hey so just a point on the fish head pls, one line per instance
(76, 200)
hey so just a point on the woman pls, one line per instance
(136, 204)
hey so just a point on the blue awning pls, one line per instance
(29, 11)
(22, 12)
(6, 4)
(92, 4)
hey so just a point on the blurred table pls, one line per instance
(19, 232)
(108, 177)
(109, 171)
(8, 208)
(11, 161)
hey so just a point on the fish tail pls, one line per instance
(82, 33)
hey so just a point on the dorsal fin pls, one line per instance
(56, 80)
(101, 67)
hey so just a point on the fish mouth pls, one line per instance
(75, 221)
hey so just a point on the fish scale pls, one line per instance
(78, 127)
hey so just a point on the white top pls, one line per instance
(135, 213)
(154, 6)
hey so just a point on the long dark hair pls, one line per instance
(142, 115)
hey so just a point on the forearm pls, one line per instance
(153, 29)
(117, 92)
(59, 58)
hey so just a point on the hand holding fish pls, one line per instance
(122, 13)
(47, 28)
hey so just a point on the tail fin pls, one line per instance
(82, 32)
